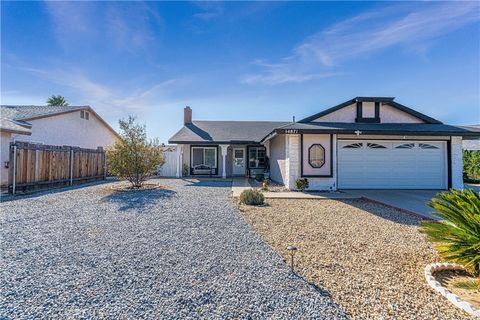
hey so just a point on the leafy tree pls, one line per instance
(57, 101)
(457, 235)
(133, 157)
(471, 165)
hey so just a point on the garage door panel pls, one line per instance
(392, 165)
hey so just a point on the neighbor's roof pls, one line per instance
(12, 126)
(232, 132)
(379, 128)
(24, 113)
(387, 100)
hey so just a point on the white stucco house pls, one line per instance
(363, 143)
(78, 126)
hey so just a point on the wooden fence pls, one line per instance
(43, 165)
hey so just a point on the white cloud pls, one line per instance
(410, 26)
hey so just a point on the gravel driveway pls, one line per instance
(181, 252)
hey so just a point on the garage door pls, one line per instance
(392, 164)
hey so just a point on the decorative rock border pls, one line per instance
(453, 298)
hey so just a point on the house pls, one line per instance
(363, 143)
(78, 126)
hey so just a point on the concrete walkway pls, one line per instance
(240, 184)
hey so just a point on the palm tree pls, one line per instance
(457, 235)
(57, 101)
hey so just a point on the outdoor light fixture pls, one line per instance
(292, 250)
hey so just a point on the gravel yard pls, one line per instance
(180, 252)
(369, 257)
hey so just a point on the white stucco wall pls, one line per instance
(69, 130)
(324, 141)
(292, 160)
(456, 158)
(388, 114)
(4, 156)
(277, 158)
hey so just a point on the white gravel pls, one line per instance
(181, 252)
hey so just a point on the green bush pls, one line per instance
(302, 184)
(457, 235)
(252, 197)
(471, 165)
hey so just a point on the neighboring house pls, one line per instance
(363, 143)
(63, 126)
(472, 144)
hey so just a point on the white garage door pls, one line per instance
(379, 164)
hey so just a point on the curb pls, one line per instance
(453, 298)
(399, 209)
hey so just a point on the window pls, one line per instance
(375, 146)
(204, 156)
(256, 157)
(353, 146)
(427, 146)
(316, 156)
(84, 115)
(405, 146)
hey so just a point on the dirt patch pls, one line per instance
(453, 279)
(127, 187)
(370, 258)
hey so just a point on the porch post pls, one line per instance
(179, 161)
(224, 148)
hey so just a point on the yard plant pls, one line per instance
(57, 101)
(252, 197)
(133, 156)
(457, 235)
(471, 165)
(302, 184)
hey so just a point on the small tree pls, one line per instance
(471, 165)
(133, 157)
(57, 101)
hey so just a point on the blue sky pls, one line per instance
(241, 60)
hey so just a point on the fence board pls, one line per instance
(45, 164)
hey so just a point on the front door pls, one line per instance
(238, 161)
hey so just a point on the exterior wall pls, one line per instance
(324, 141)
(70, 130)
(292, 160)
(4, 156)
(456, 161)
(278, 158)
(388, 114)
(471, 144)
(325, 183)
(347, 114)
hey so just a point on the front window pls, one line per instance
(206, 156)
(256, 157)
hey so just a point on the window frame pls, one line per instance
(310, 155)
(215, 147)
(249, 148)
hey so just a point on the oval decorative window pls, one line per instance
(316, 156)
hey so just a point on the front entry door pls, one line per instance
(238, 162)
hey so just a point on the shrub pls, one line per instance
(186, 170)
(252, 197)
(471, 165)
(457, 235)
(133, 157)
(302, 184)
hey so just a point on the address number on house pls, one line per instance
(291, 131)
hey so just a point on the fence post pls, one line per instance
(14, 182)
(71, 166)
(104, 162)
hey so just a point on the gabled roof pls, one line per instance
(386, 100)
(23, 113)
(431, 129)
(12, 126)
(231, 132)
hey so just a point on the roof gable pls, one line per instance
(403, 112)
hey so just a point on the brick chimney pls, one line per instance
(187, 115)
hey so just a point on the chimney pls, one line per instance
(187, 115)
